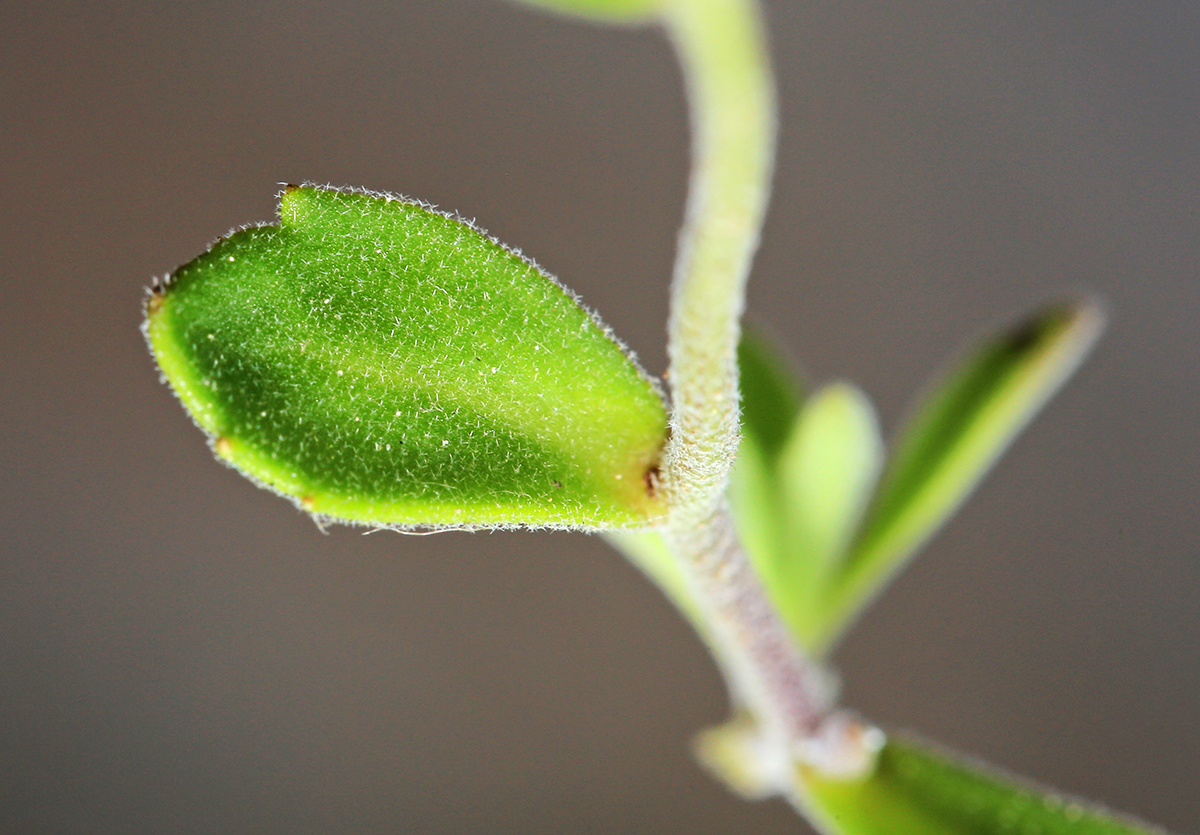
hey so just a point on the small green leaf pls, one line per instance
(801, 480)
(756, 501)
(955, 436)
(916, 789)
(770, 401)
(771, 392)
(607, 11)
(827, 471)
(382, 363)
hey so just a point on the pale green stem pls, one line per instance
(731, 98)
(721, 47)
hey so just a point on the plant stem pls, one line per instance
(769, 675)
(731, 97)
(720, 44)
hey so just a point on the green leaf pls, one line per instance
(801, 480)
(755, 499)
(770, 401)
(826, 471)
(917, 789)
(378, 362)
(955, 436)
(770, 390)
(649, 552)
(607, 11)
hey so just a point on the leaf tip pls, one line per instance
(1074, 323)
(1090, 315)
(848, 398)
(294, 202)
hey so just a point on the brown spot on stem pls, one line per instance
(223, 447)
(652, 479)
(309, 502)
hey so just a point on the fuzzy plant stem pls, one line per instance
(731, 98)
(720, 44)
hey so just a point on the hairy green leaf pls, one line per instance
(917, 789)
(955, 436)
(382, 363)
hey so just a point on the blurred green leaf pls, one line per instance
(648, 551)
(608, 11)
(382, 363)
(955, 436)
(770, 403)
(802, 478)
(826, 471)
(771, 392)
(756, 502)
(917, 789)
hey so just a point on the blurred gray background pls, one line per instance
(181, 652)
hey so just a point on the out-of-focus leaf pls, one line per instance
(826, 471)
(770, 403)
(736, 753)
(955, 436)
(771, 392)
(649, 552)
(801, 480)
(382, 363)
(607, 11)
(916, 789)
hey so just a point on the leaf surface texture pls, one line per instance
(379, 362)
